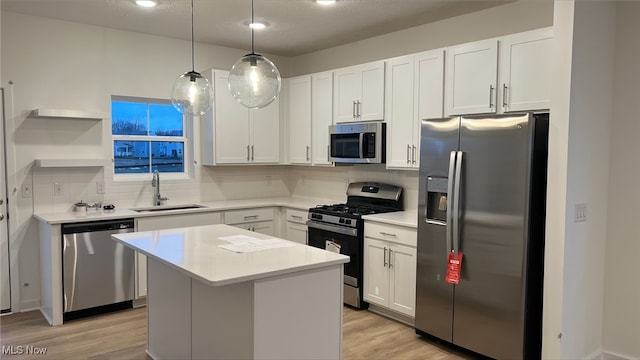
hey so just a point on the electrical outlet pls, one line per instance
(99, 187)
(58, 189)
(581, 213)
(26, 190)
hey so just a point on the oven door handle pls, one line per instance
(333, 228)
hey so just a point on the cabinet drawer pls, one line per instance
(248, 215)
(394, 233)
(297, 216)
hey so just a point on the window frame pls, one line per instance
(184, 139)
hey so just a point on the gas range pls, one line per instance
(339, 228)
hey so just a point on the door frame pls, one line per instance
(5, 251)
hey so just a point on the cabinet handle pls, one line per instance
(248, 217)
(504, 96)
(387, 234)
(328, 153)
(252, 153)
(353, 109)
(248, 153)
(490, 97)
(359, 103)
(390, 254)
(296, 217)
(408, 158)
(413, 154)
(384, 258)
(307, 152)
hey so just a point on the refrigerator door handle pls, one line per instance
(450, 196)
(456, 205)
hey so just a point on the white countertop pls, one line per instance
(408, 218)
(195, 252)
(72, 217)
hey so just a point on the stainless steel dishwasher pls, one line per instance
(97, 271)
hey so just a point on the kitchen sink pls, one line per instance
(168, 208)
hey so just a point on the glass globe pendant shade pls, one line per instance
(254, 81)
(191, 93)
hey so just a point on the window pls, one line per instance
(148, 135)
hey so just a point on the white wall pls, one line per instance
(590, 119)
(621, 323)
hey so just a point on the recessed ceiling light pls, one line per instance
(146, 3)
(326, 2)
(257, 25)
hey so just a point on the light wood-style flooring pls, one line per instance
(122, 336)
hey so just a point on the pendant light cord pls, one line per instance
(193, 65)
(252, 25)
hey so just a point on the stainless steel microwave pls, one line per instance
(359, 142)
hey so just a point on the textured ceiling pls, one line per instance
(295, 26)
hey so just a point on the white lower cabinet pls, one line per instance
(259, 220)
(296, 226)
(162, 222)
(390, 267)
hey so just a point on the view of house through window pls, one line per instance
(148, 135)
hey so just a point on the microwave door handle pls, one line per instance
(361, 145)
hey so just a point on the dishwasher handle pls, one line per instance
(92, 226)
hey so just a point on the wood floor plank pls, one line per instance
(122, 335)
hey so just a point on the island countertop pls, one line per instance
(196, 252)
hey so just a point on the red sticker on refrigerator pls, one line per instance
(453, 268)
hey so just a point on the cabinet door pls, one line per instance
(376, 272)
(471, 78)
(371, 86)
(265, 133)
(345, 94)
(402, 288)
(428, 94)
(321, 116)
(525, 71)
(401, 125)
(231, 124)
(299, 105)
(297, 232)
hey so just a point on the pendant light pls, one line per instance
(254, 81)
(191, 92)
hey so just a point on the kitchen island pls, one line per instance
(281, 301)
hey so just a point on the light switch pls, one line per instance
(581, 213)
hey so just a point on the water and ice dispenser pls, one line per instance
(437, 199)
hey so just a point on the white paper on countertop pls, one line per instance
(243, 244)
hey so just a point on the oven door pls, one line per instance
(346, 241)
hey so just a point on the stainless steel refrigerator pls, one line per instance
(482, 192)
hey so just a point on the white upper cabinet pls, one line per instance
(401, 122)
(525, 71)
(299, 104)
(233, 134)
(321, 116)
(510, 73)
(359, 93)
(471, 77)
(414, 92)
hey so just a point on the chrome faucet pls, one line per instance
(155, 182)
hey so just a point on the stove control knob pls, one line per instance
(341, 221)
(348, 222)
(316, 216)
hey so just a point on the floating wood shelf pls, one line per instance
(51, 163)
(67, 114)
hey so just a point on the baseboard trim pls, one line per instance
(29, 305)
(610, 355)
(392, 314)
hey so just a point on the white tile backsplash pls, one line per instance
(328, 184)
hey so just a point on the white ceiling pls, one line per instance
(295, 26)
